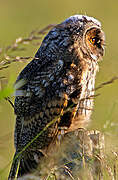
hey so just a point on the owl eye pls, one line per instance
(92, 40)
(95, 41)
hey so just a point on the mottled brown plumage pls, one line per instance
(58, 84)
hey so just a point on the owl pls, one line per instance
(54, 92)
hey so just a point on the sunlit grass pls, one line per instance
(8, 90)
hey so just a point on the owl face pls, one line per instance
(94, 41)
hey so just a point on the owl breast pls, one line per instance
(82, 112)
(88, 86)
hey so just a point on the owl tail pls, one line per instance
(24, 164)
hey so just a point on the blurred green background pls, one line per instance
(19, 18)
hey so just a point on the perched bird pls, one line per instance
(56, 86)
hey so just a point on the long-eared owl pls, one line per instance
(57, 85)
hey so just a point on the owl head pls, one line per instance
(79, 34)
(87, 35)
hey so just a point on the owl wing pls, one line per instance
(32, 87)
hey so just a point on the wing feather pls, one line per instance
(31, 91)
